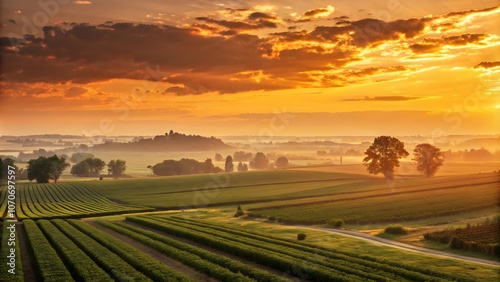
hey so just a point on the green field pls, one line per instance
(302, 197)
(64, 200)
(73, 250)
(417, 199)
(201, 240)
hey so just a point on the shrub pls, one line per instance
(396, 230)
(457, 243)
(239, 212)
(301, 236)
(271, 218)
(335, 222)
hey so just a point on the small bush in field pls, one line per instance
(335, 222)
(301, 236)
(239, 212)
(271, 218)
(396, 230)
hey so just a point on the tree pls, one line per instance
(43, 169)
(88, 167)
(229, 167)
(4, 165)
(239, 212)
(242, 156)
(78, 157)
(209, 166)
(428, 158)
(242, 167)
(57, 166)
(96, 165)
(117, 167)
(218, 158)
(259, 162)
(281, 162)
(184, 166)
(383, 156)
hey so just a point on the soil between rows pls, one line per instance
(174, 264)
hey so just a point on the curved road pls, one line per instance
(399, 245)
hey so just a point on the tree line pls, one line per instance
(381, 157)
(384, 154)
(43, 169)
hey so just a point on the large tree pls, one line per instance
(281, 162)
(383, 156)
(229, 166)
(259, 162)
(57, 166)
(428, 158)
(43, 169)
(88, 167)
(117, 167)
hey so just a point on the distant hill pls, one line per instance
(172, 141)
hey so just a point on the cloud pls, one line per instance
(488, 65)
(384, 98)
(214, 55)
(256, 20)
(259, 15)
(82, 2)
(313, 14)
(430, 45)
(74, 92)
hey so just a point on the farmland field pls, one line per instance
(312, 197)
(64, 200)
(73, 250)
(200, 240)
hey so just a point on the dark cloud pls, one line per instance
(341, 18)
(259, 15)
(227, 61)
(313, 14)
(487, 65)
(362, 33)
(74, 92)
(385, 98)
(372, 71)
(257, 22)
(464, 13)
(429, 45)
(424, 48)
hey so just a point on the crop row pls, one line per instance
(193, 260)
(481, 238)
(139, 260)
(81, 266)
(65, 200)
(485, 233)
(367, 267)
(232, 265)
(310, 265)
(48, 264)
(389, 208)
(404, 270)
(10, 261)
(108, 260)
(331, 263)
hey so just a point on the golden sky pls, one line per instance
(231, 67)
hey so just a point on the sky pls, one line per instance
(234, 67)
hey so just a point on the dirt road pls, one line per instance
(402, 246)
